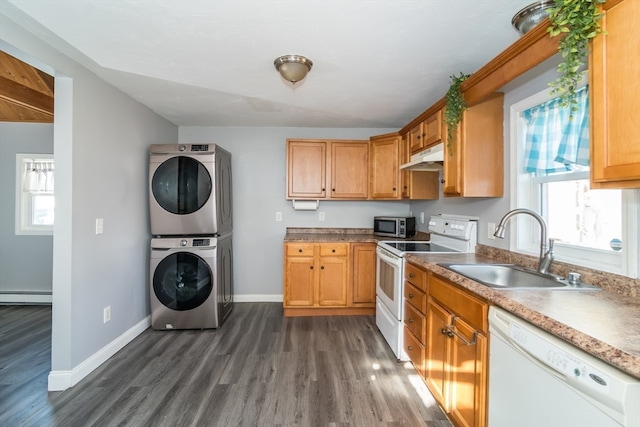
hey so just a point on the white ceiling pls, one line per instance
(210, 63)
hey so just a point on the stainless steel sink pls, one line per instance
(509, 276)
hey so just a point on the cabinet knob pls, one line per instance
(410, 296)
(322, 267)
(333, 250)
(323, 189)
(333, 189)
(411, 275)
(443, 331)
(394, 188)
(300, 250)
(418, 136)
(442, 181)
(311, 267)
(410, 320)
(409, 348)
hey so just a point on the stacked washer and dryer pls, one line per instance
(191, 257)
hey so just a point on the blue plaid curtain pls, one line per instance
(553, 141)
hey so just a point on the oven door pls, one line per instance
(389, 281)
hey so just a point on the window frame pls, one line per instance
(525, 193)
(24, 200)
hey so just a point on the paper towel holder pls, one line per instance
(305, 205)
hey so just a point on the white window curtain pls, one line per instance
(557, 141)
(38, 176)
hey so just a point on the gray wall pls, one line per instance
(100, 143)
(259, 160)
(26, 262)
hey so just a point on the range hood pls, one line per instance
(427, 160)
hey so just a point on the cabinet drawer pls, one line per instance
(334, 249)
(300, 249)
(462, 304)
(416, 276)
(415, 351)
(416, 297)
(414, 321)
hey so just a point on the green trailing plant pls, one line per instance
(579, 21)
(455, 105)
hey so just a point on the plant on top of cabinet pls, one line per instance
(579, 22)
(455, 106)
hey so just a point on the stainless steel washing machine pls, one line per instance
(191, 282)
(189, 190)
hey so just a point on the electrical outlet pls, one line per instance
(99, 226)
(320, 216)
(491, 228)
(278, 216)
(421, 217)
(106, 314)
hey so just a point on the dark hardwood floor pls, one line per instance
(259, 369)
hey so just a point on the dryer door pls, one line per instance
(181, 185)
(182, 281)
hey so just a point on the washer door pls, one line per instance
(181, 185)
(182, 281)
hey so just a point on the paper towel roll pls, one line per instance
(306, 205)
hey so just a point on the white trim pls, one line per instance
(258, 298)
(62, 380)
(25, 298)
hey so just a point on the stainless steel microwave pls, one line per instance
(394, 226)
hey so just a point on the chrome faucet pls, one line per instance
(546, 255)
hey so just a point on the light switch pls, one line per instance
(278, 216)
(99, 226)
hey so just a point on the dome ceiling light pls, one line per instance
(531, 16)
(293, 67)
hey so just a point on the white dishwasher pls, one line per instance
(538, 380)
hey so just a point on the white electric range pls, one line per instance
(448, 234)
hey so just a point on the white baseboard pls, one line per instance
(257, 298)
(25, 298)
(62, 380)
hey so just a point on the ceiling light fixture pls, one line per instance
(531, 16)
(293, 67)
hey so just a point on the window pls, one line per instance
(35, 199)
(592, 228)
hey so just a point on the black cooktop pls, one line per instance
(418, 247)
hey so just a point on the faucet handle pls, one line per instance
(573, 278)
(551, 242)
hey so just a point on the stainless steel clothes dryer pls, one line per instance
(191, 282)
(189, 190)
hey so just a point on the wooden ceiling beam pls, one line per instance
(16, 93)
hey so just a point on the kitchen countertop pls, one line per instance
(603, 323)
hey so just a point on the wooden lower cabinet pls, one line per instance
(318, 279)
(452, 356)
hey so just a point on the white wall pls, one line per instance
(26, 262)
(259, 189)
(100, 143)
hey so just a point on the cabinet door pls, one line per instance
(349, 170)
(385, 174)
(433, 129)
(306, 169)
(474, 160)
(299, 282)
(364, 274)
(614, 91)
(468, 378)
(332, 282)
(416, 138)
(437, 352)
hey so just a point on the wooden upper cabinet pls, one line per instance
(349, 170)
(426, 133)
(385, 166)
(332, 169)
(306, 169)
(614, 89)
(474, 160)
(433, 129)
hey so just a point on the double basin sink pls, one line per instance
(509, 276)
